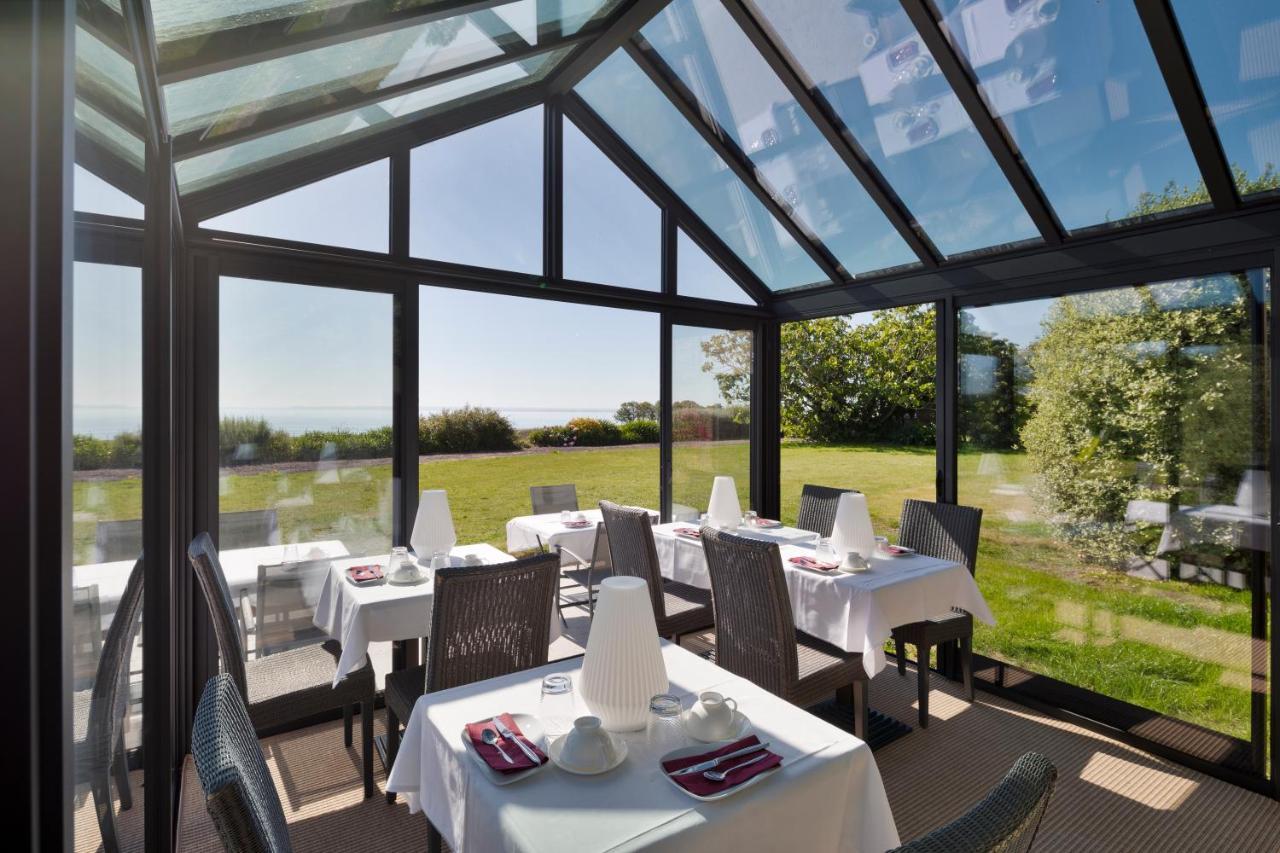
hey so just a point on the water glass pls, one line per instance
(749, 518)
(665, 730)
(824, 552)
(397, 562)
(565, 515)
(556, 710)
(289, 558)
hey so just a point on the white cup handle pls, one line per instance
(732, 703)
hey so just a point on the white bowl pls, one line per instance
(618, 752)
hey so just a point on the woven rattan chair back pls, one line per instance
(632, 552)
(1005, 821)
(239, 793)
(818, 508)
(601, 559)
(86, 635)
(945, 531)
(251, 528)
(118, 540)
(755, 631)
(287, 595)
(213, 583)
(547, 499)
(489, 621)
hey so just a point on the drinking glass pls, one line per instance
(556, 710)
(289, 559)
(824, 551)
(749, 518)
(665, 729)
(397, 562)
(565, 515)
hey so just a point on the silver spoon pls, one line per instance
(490, 737)
(720, 775)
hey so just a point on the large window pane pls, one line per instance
(1233, 48)
(711, 415)
(1117, 442)
(521, 392)
(639, 113)
(858, 409)
(94, 195)
(476, 196)
(698, 275)
(732, 81)
(868, 62)
(1079, 89)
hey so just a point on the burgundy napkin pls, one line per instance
(897, 550)
(691, 532)
(576, 524)
(365, 574)
(810, 563)
(696, 783)
(766, 522)
(490, 754)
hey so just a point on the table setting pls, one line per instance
(572, 532)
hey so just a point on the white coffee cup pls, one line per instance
(855, 562)
(713, 715)
(587, 746)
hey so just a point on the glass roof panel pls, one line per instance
(867, 60)
(246, 157)
(105, 76)
(731, 80)
(1079, 89)
(698, 275)
(110, 135)
(628, 101)
(1233, 48)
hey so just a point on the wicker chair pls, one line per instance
(588, 574)
(282, 688)
(948, 532)
(546, 499)
(86, 636)
(239, 794)
(99, 714)
(118, 540)
(756, 637)
(677, 608)
(250, 528)
(286, 604)
(1005, 821)
(818, 508)
(486, 621)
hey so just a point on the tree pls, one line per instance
(1175, 197)
(636, 410)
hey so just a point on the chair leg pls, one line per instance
(966, 666)
(922, 683)
(346, 725)
(101, 786)
(435, 843)
(122, 777)
(393, 746)
(366, 735)
(861, 708)
(900, 652)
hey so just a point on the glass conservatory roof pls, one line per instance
(817, 141)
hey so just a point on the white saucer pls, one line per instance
(531, 730)
(619, 755)
(741, 728)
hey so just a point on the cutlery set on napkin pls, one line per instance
(489, 737)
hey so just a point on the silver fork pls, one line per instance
(720, 775)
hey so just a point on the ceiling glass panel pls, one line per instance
(1234, 49)
(698, 275)
(731, 80)
(110, 135)
(866, 59)
(175, 20)
(620, 93)
(1078, 87)
(106, 77)
(216, 166)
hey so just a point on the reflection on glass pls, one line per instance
(103, 131)
(619, 92)
(304, 447)
(1078, 88)
(710, 417)
(731, 80)
(350, 209)
(1118, 443)
(476, 197)
(1232, 46)
(541, 393)
(698, 275)
(105, 76)
(612, 230)
(106, 531)
(867, 60)
(858, 409)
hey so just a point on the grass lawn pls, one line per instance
(1181, 649)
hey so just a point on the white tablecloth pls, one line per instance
(1220, 524)
(827, 796)
(682, 559)
(357, 616)
(531, 532)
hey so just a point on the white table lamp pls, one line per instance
(623, 668)
(723, 510)
(852, 529)
(433, 528)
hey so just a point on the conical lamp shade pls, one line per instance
(623, 668)
(724, 509)
(852, 529)
(433, 527)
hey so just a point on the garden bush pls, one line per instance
(640, 431)
(466, 430)
(710, 423)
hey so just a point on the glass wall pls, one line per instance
(1118, 443)
(305, 446)
(858, 408)
(517, 392)
(711, 379)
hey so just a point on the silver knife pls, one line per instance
(511, 736)
(707, 765)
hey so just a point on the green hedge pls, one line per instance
(700, 423)
(466, 430)
(639, 431)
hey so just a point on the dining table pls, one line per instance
(827, 794)
(548, 531)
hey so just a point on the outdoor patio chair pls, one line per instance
(547, 499)
(486, 621)
(239, 793)
(98, 714)
(117, 540)
(587, 575)
(756, 636)
(948, 532)
(292, 685)
(86, 635)
(677, 608)
(251, 528)
(286, 603)
(818, 508)
(1005, 821)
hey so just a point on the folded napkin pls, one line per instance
(577, 524)
(810, 563)
(490, 754)
(696, 783)
(365, 574)
(766, 522)
(692, 533)
(897, 550)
